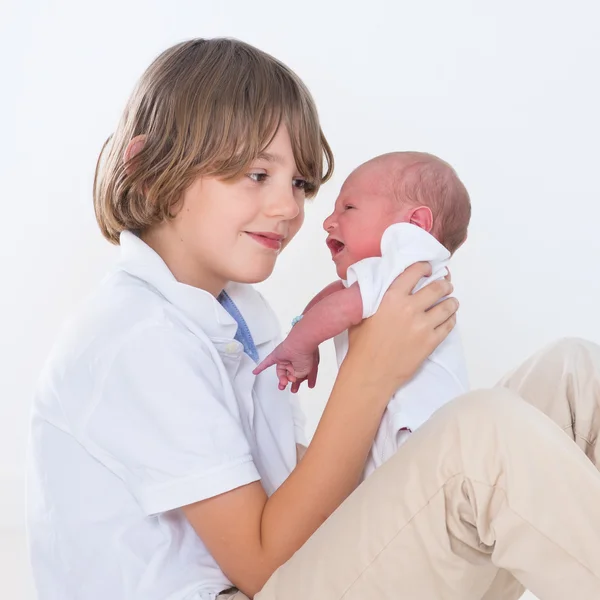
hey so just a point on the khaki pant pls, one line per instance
(486, 498)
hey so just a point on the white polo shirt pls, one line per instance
(147, 404)
(443, 375)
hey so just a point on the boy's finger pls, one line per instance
(407, 281)
(442, 312)
(431, 294)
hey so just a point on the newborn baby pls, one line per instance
(394, 210)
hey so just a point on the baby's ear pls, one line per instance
(135, 146)
(422, 217)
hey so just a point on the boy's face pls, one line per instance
(364, 209)
(235, 230)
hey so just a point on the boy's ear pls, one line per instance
(422, 217)
(135, 146)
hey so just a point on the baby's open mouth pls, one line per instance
(335, 246)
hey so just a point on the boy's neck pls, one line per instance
(178, 260)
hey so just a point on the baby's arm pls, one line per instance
(336, 286)
(332, 311)
(327, 317)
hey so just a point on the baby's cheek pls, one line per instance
(366, 247)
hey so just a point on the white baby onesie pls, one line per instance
(443, 375)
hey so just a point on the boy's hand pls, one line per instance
(292, 366)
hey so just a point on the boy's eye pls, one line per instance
(348, 206)
(299, 183)
(257, 177)
(303, 184)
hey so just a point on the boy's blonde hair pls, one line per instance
(206, 108)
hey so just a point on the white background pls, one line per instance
(508, 92)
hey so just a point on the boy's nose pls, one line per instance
(285, 205)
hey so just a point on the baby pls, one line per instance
(394, 210)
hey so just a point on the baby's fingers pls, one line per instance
(312, 377)
(282, 375)
(265, 364)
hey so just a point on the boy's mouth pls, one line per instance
(273, 241)
(335, 246)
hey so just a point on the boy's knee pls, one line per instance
(572, 349)
(488, 405)
(570, 344)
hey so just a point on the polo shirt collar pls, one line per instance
(198, 305)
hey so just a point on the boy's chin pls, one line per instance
(256, 274)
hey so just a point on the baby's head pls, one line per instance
(399, 187)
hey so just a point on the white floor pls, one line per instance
(15, 579)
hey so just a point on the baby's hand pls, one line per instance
(312, 375)
(292, 366)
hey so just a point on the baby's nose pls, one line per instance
(328, 223)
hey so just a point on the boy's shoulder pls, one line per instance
(117, 309)
(121, 308)
(123, 320)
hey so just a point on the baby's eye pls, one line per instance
(348, 206)
(257, 177)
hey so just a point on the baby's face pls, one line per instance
(363, 211)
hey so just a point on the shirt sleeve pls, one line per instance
(402, 245)
(369, 276)
(165, 420)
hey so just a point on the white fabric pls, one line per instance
(147, 404)
(443, 376)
